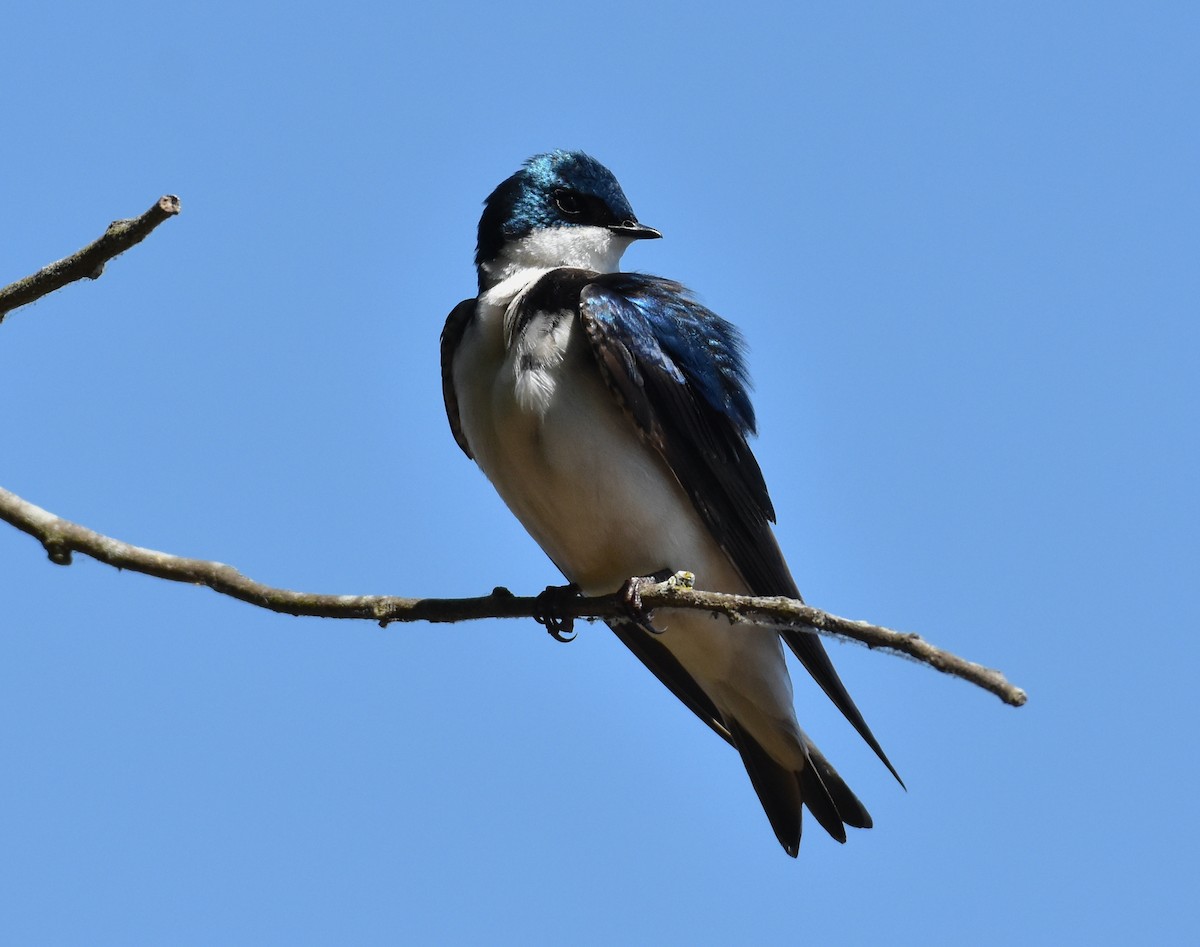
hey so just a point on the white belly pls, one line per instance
(573, 469)
(605, 506)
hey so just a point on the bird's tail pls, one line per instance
(784, 788)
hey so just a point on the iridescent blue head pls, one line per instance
(563, 208)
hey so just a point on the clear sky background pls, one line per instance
(961, 240)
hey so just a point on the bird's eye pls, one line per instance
(567, 201)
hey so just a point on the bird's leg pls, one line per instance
(631, 593)
(551, 605)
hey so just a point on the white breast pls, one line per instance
(572, 467)
(601, 502)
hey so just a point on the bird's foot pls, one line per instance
(631, 591)
(551, 605)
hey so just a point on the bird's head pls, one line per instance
(563, 208)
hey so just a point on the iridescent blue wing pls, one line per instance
(677, 369)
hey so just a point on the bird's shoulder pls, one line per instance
(638, 323)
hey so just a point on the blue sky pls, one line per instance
(962, 244)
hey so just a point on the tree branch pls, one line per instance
(88, 262)
(61, 538)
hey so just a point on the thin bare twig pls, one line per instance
(88, 262)
(61, 538)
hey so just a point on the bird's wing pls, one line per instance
(644, 643)
(452, 333)
(677, 369)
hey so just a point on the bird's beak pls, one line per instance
(632, 230)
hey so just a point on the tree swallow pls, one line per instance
(610, 411)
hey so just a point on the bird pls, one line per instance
(611, 412)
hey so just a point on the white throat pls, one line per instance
(589, 248)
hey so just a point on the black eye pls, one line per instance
(567, 201)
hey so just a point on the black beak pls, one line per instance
(632, 230)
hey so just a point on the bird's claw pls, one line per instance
(631, 592)
(631, 595)
(550, 608)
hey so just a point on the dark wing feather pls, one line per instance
(677, 369)
(452, 333)
(778, 790)
(644, 643)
